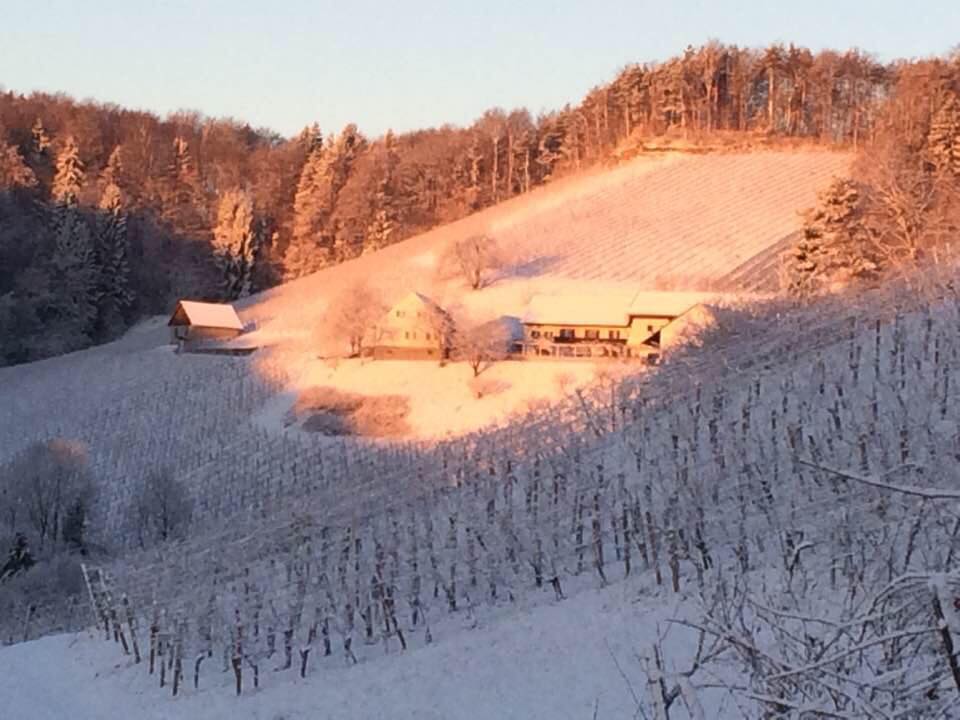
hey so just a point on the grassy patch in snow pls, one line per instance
(334, 412)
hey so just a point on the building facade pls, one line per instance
(415, 328)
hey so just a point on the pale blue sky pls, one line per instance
(408, 63)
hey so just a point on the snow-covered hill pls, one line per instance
(546, 662)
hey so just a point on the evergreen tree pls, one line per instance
(71, 312)
(112, 251)
(69, 177)
(835, 247)
(324, 175)
(381, 231)
(184, 206)
(303, 254)
(235, 243)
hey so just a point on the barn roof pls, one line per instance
(204, 314)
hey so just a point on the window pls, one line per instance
(591, 334)
(534, 333)
(649, 328)
(614, 334)
(406, 335)
(427, 336)
(400, 313)
(567, 334)
(548, 334)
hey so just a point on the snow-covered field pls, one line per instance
(553, 661)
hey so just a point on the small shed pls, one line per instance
(196, 323)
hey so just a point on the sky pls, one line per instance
(407, 64)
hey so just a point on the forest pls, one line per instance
(108, 214)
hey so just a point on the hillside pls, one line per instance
(661, 221)
(674, 220)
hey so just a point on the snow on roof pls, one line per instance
(212, 315)
(604, 308)
(611, 308)
(667, 304)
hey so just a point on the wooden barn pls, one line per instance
(194, 325)
(416, 328)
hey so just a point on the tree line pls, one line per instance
(107, 214)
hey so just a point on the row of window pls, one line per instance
(403, 313)
(570, 334)
(412, 335)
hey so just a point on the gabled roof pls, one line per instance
(204, 314)
(412, 302)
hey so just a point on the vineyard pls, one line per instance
(763, 479)
(796, 472)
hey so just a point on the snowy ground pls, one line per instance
(555, 661)
(443, 402)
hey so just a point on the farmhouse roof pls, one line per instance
(579, 309)
(667, 304)
(204, 314)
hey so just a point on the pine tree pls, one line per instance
(74, 276)
(385, 212)
(324, 175)
(114, 292)
(184, 205)
(943, 139)
(235, 243)
(304, 254)
(835, 247)
(69, 178)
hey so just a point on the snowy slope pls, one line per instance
(549, 662)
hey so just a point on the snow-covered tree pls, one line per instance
(354, 313)
(943, 139)
(474, 258)
(323, 176)
(69, 177)
(235, 243)
(115, 293)
(74, 281)
(381, 231)
(14, 172)
(835, 246)
(304, 254)
(480, 344)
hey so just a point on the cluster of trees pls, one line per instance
(48, 496)
(901, 204)
(138, 211)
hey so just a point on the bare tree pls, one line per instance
(475, 259)
(162, 508)
(42, 484)
(354, 313)
(481, 345)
